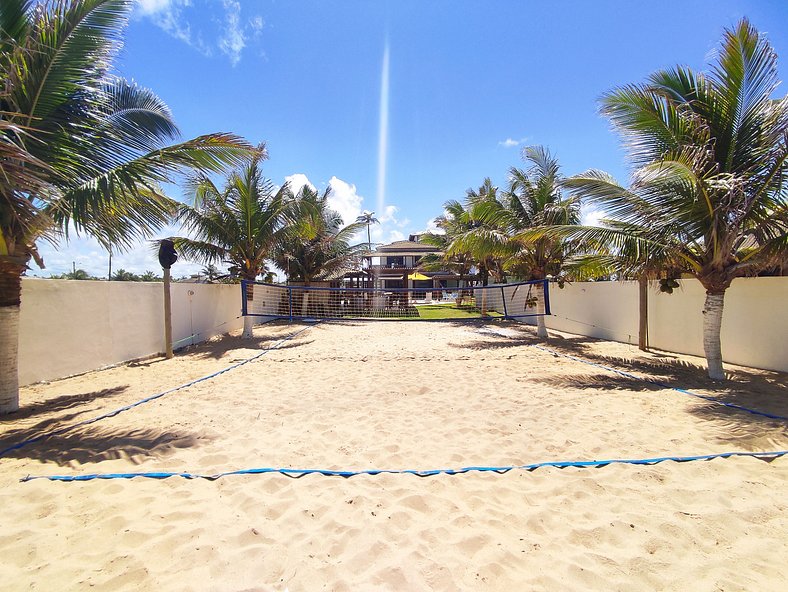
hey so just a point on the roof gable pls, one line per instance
(404, 246)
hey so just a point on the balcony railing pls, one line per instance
(402, 266)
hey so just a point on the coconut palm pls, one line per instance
(317, 246)
(709, 193)
(211, 273)
(150, 276)
(238, 225)
(125, 276)
(535, 199)
(497, 228)
(368, 218)
(486, 236)
(76, 274)
(454, 223)
(483, 236)
(82, 150)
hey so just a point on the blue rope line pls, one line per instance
(661, 384)
(298, 473)
(120, 410)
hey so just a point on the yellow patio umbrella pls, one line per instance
(418, 276)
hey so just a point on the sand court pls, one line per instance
(399, 395)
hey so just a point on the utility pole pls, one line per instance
(109, 271)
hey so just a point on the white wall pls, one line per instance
(754, 323)
(68, 327)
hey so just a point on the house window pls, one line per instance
(395, 262)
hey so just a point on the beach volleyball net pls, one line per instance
(293, 302)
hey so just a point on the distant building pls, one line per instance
(389, 266)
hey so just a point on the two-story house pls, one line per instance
(390, 265)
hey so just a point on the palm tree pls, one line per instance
(83, 150)
(125, 276)
(76, 274)
(486, 235)
(454, 223)
(626, 261)
(317, 247)
(150, 276)
(368, 218)
(535, 199)
(476, 235)
(709, 195)
(211, 272)
(239, 225)
(498, 229)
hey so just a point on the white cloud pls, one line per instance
(389, 214)
(152, 6)
(511, 143)
(256, 24)
(432, 227)
(230, 36)
(233, 39)
(168, 16)
(86, 253)
(387, 231)
(297, 181)
(344, 199)
(591, 217)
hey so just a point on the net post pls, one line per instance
(244, 309)
(546, 297)
(290, 302)
(503, 298)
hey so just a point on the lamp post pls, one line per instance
(167, 256)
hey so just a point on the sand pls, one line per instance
(400, 396)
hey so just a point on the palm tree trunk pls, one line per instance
(10, 292)
(712, 324)
(541, 329)
(248, 327)
(305, 302)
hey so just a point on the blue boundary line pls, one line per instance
(120, 410)
(660, 384)
(298, 473)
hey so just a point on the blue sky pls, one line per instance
(470, 83)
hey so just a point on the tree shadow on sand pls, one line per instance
(221, 346)
(61, 403)
(80, 443)
(761, 390)
(95, 443)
